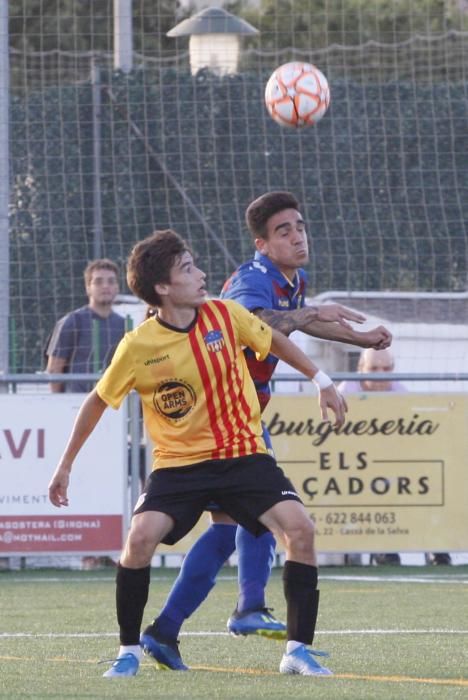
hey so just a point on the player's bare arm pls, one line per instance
(377, 338)
(329, 397)
(306, 320)
(88, 417)
(300, 319)
(56, 365)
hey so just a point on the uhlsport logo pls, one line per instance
(214, 341)
(174, 399)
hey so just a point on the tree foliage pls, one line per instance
(315, 24)
(74, 25)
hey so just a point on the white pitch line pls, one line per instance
(97, 635)
(389, 632)
(92, 579)
(454, 578)
(396, 579)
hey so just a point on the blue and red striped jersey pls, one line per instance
(258, 284)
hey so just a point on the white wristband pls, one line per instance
(322, 380)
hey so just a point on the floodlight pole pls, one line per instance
(123, 35)
(4, 189)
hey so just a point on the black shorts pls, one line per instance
(214, 507)
(243, 487)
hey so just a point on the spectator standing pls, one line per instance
(84, 341)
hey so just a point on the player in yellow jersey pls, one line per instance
(273, 286)
(201, 409)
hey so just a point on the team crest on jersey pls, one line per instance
(214, 341)
(174, 399)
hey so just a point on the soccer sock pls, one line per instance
(131, 597)
(302, 598)
(256, 556)
(196, 578)
(134, 649)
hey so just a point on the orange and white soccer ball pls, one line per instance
(297, 95)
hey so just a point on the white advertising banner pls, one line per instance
(33, 434)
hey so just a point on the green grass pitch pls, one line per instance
(391, 633)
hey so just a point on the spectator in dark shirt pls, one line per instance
(84, 340)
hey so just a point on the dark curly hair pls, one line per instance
(151, 262)
(263, 208)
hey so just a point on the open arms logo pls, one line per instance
(174, 399)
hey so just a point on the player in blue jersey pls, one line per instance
(273, 286)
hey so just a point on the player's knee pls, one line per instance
(140, 546)
(300, 538)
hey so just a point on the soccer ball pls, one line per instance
(297, 95)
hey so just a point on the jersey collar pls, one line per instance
(169, 327)
(277, 274)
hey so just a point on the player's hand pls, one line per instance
(377, 338)
(335, 313)
(58, 487)
(330, 398)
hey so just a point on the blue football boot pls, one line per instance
(124, 666)
(164, 651)
(260, 622)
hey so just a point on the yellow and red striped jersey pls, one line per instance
(199, 401)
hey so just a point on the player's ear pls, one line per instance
(162, 289)
(261, 245)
